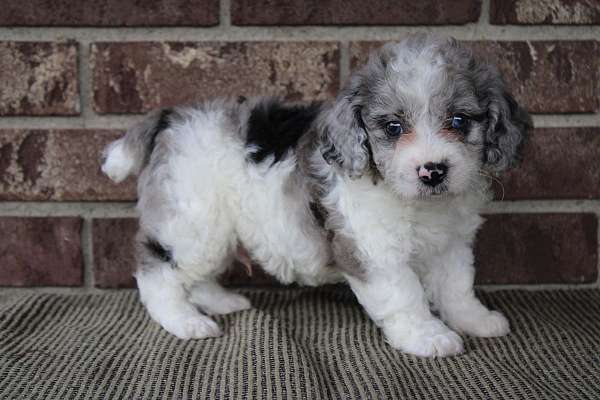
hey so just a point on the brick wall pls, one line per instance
(74, 75)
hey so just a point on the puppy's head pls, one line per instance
(425, 116)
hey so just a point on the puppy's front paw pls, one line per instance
(428, 339)
(486, 324)
(492, 324)
(187, 326)
(436, 345)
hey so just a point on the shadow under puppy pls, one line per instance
(381, 188)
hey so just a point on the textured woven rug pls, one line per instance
(296, 343)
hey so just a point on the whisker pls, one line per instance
(493, 178)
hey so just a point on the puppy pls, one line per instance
(380, 188)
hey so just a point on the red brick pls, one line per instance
(38, 78)
(360, 51)
(40, 251)
(57, 165)
(114, 257)
(138, 77)
(510, 249)
(535, 12)
(557, 164)
(114, 251)
(548, 77)
(537, 248)
(354, 12)
(545, 76)
(110, 13)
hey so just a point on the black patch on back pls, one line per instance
(157, 250)
(161, 125)
(274, 128)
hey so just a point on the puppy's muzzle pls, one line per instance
(432, 174)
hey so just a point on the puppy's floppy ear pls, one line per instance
(343, 136)
(508, 123)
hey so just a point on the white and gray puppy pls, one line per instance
(381, 187)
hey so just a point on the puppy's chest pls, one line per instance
(387, 230)
(381, 221)
(435, 226)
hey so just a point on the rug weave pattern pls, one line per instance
(296, 343)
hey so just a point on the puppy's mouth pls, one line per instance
(440, 190)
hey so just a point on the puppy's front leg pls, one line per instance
(450, 282)
(395, 300)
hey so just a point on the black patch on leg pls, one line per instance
(159, 251)
(161, 124)
(274, 128)
(347, 257)
(319, 212)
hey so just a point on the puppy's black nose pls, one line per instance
(432, 174)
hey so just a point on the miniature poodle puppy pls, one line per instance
(380, 188)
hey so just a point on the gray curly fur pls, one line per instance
(471, 83)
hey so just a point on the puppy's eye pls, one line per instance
(394, 128)
(460, 122)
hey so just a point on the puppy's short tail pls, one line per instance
(129, 154)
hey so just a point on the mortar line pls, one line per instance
(484, 17)
(60, 209)
(482, 287)
(224, 14)
(87, 252)
(90, 120)
(537, 286)
(100, 209)
(598, 249)
(480, 27)
(474, 31)
(542, 206)
(85, 83)
(566, 120)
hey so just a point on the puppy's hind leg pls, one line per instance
(162, 291)
(204, 260)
